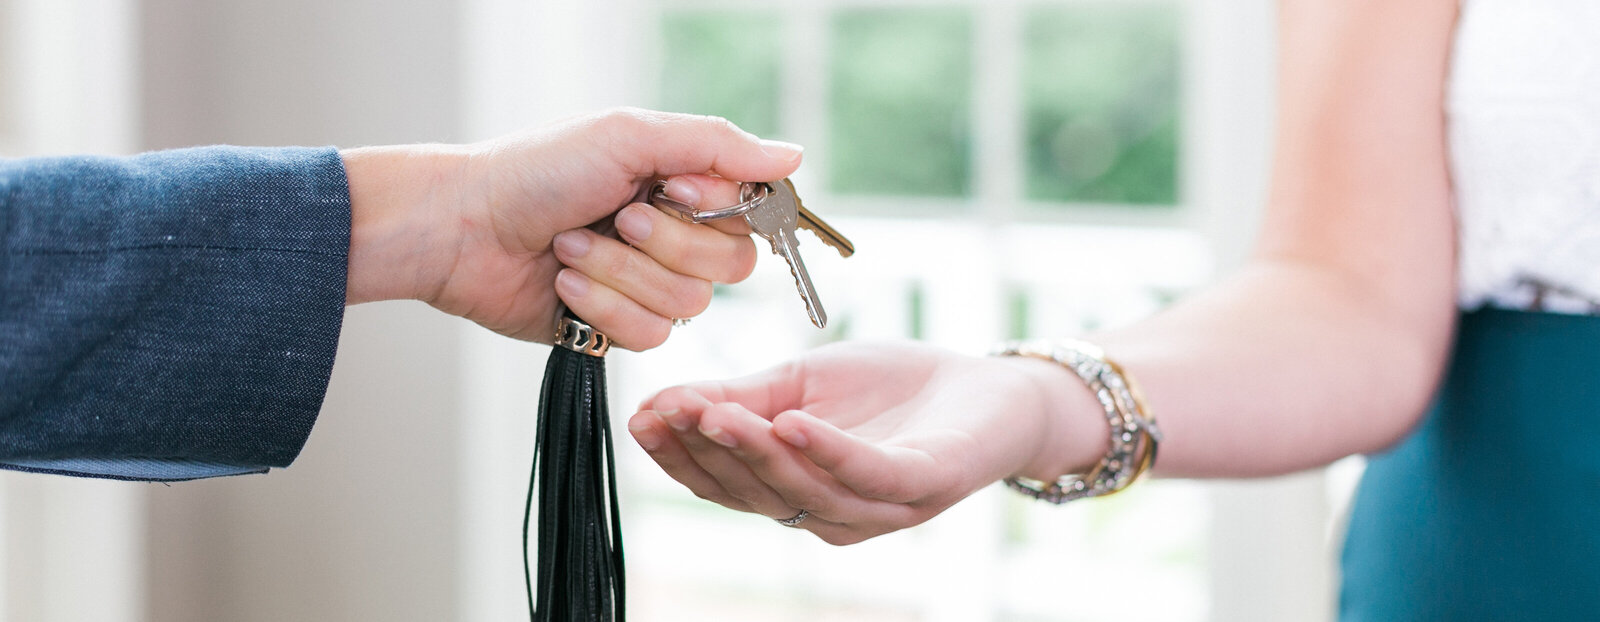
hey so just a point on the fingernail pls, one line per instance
(788, 152)
(794, 437)
(572, 243)
(573, 283)
(634, 224)
(682, 191)
(646, 437)
(720, 437)
(675, 419)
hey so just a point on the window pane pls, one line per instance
(1102, 93)
(900, 101)
(722, 63)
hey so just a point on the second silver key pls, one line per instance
(775, 220)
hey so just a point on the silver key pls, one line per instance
(775, 220)
(823, 230)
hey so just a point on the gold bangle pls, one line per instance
(1134, 435)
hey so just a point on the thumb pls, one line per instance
(659, 144)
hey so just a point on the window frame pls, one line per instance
(997, 115)
(1227, 113)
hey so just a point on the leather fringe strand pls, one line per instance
(580, 572)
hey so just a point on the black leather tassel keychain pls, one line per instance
(579, 533)
(580, 571)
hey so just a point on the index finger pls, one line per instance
(764, 393)
(657, 144)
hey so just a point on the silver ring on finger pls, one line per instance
(793, 521)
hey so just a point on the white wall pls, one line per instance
(66, 85)
(364, 525)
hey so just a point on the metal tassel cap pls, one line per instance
(581, 338)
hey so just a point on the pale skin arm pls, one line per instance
(497, 232)
(1328, 343)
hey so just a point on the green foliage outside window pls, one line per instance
(1102, 94)
(723, 63)
(900, 102)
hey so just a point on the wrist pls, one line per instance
(1073, 434)
(402, 237)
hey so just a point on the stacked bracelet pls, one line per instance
(1134, 434)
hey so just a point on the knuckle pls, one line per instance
(744, 493)
(881, 487)
(613, 321)
(720, 414)
(621, 114)
(721, 410)
(693, 297)
(717, 498)
(616, 262)
(624, 121)
(845, 538)
(720, 497)
(923, 515)
(652, 335)
(762, 462)
(611, 119)
(744, 261)
(680, 397)
(817, 503)
(675, 396)
(722, 123)
(607, 317)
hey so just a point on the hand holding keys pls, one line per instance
(774, 212)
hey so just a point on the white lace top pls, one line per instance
(1524, 113)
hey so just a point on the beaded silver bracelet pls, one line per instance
(1134, 435)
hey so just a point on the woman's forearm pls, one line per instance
(1331, 340)
(1284, 367)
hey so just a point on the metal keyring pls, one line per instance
(751, 194)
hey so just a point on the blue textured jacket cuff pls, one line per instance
(170, 315)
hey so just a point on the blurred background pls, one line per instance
(1006, 168)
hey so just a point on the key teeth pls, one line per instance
(843, 246)
(842, 251)
(818, 317)
(786, 244)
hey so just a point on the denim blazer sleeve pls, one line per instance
(171, 315)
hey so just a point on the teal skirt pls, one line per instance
(1491, 509)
